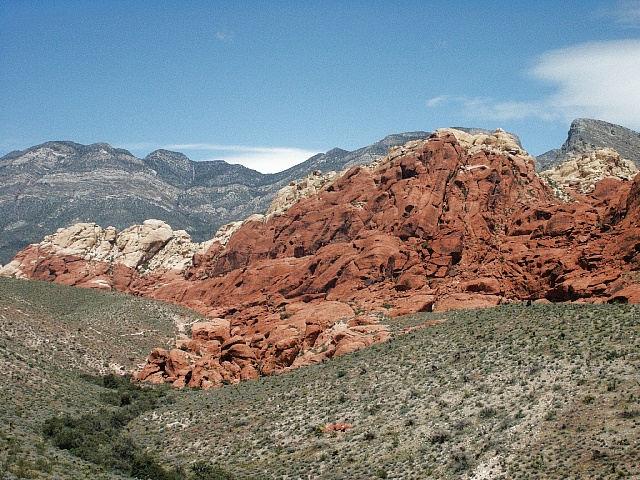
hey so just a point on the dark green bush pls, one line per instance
(205, 471)
(97, 437)
(439, 437)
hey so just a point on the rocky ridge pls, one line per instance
(58, 184)
(453, 221)
(584, 172)
(587, 135)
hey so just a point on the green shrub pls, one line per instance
(97, 437)
(205, 471)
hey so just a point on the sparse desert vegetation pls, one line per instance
(539, 391)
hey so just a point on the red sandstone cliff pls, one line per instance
(455, 221)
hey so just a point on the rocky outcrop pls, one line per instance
(219, 351)
(453, 221)
(312, 184)
(588, 135)
(90, 256)
(581, 174)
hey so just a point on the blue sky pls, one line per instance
(270, 83)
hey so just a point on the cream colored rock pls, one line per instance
(177, 253)
(139, 243)
(12, 270)
(299, 189)
(582, 173)
(395, 152)
(84, 240)
(499, 142)
(152, 246)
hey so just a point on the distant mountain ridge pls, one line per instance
(57, 184)
(587, 135)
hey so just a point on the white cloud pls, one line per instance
(439, 100)
(489, 108)
(137, 146)
(262, 159)
(597, 80)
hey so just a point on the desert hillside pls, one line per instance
(516, 391)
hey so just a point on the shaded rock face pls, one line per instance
(588, 135)
(454, 221)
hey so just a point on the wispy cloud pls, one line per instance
(138, 146)
(439, 100)
(225, 36)
(490, 108)
(262, 159)
(598, 80)
(626, 13)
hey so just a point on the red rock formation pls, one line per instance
(337, 427)
(453, 222)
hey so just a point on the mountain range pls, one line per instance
(57, 184)
(453, 221)
(384, 269)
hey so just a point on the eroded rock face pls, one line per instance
(452, 221)
(89, 252)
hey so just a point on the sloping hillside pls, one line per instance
(540, 391)
(51, 338)
(517, 391)
(451, 222)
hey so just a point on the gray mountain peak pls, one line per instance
(587, 135)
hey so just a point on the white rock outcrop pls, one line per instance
(147, 247)
(582, 173)
(499, 142)
(297, 190)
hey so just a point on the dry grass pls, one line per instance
(50, 338)
(545, 391)
(511, 392)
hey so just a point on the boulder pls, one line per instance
(217, 329)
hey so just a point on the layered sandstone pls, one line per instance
(452, 221)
